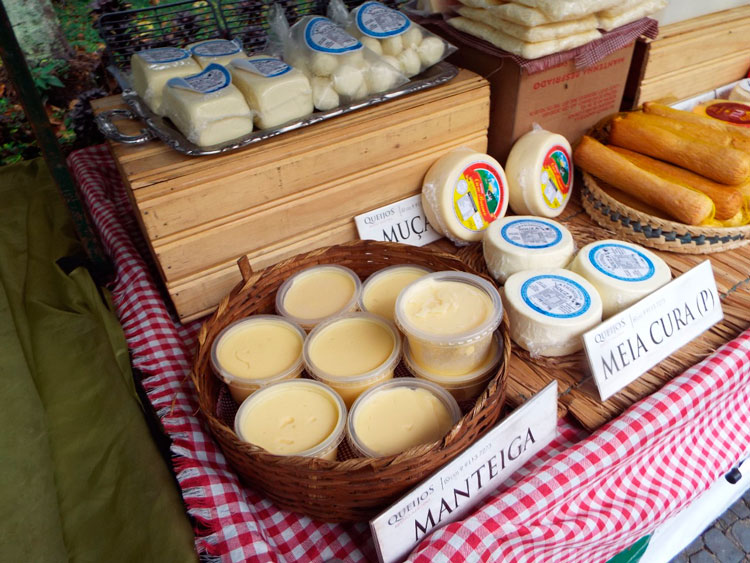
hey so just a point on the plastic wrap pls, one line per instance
(540, 173)
(220, 51)
(462, 193)
(522, 242)
(389, 32)
(335, 62)
(549, 310)
(152, 68)
(206, 107)
(559, 10)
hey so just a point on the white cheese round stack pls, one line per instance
(622, 272)
(540, 174)
(462, 193)
(549, 309)
(521, 242)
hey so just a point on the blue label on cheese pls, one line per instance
(621, 262)
(216, 48)
(375, 20)
(555, 296)
(531, 233)
(268, 67)
(213, 78)
(322, 35)
(163, 55)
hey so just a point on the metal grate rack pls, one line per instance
(181, 23)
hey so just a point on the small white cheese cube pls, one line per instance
(207, 107)
(151, 69)
(219, 51)
(275, 91)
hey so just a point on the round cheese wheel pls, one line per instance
(549, 309)
(463, 192)
(540, 174)
(622, 272)
(517, 243)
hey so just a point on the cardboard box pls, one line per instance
(561, 98)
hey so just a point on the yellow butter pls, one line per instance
(319, 292)
(393, 420)
(290, 418)
(381, 290)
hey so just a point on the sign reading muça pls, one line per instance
(630, 343)
(450, 493)
(402, 221)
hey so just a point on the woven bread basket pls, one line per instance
(353, 489)
(649, 230)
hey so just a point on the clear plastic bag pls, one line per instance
(388, 32)
(341, 69)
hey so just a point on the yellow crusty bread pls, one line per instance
(683, 204)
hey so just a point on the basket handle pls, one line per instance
(104, 121)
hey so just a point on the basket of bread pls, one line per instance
(668, 179)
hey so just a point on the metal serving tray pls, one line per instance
(157, 127)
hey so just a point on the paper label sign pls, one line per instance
(403, 221)
(212, 79)
(460, 485)
(627, 345)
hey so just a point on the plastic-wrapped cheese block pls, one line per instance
(207, 107)
(622, 273)
(220, 51)
(549, 310)
(516, 243)
(540, 174)
(462, 193)
(275, 91)
(151, 69)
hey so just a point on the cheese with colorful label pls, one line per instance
(463, 192)
(540, 174)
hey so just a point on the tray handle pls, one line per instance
(104, 121)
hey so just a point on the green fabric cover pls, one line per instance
(81, 479)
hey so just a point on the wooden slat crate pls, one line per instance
(291, 193)
(691, 57)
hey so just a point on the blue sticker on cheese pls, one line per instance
(531, 233)
(621, 262)
(555, 296)
(322, 35)
(163, 55)
(375, 20)
(212, 79)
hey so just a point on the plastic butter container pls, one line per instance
(465, 387)
(353, 352)
(399, 414)
(257, 351)
(381, 289)
(449, 318)
(314, 294)
(517, 243)
(623, 273)
(300, 417)
(550, 309)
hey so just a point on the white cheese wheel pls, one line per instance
(516, 243)
(622, 272)
(463, 192)
(550, 309)
(540, 174)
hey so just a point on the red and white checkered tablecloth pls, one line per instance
(584, 498)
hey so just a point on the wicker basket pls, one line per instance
(353, 489)
(655, 232)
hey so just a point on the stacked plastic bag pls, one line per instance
(536, 28)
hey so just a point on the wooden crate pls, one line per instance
(291, 193)
(691, 57)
